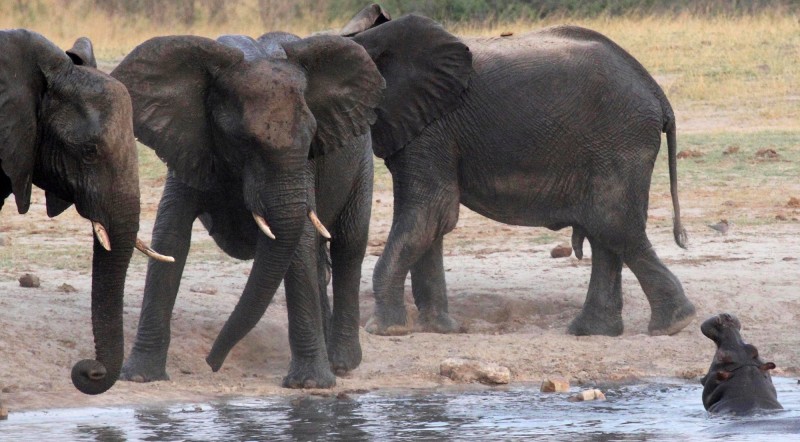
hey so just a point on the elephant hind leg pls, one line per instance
(670, 309)
(430, 291)
(602, 310)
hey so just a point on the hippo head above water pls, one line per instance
(738, 380)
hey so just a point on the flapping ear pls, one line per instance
(82, 53)
(344, 87)
(55, 205)
(26, 61)
(427, 71)
(168, 79)
(369, 17)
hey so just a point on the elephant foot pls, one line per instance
(344, 354)
(672, 320)
(139, 368)
(388, 322)
(312, 373)
(586, 324)
(437, 323)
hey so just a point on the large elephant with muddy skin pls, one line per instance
(252, 131)
(66, 128)
(556, 128)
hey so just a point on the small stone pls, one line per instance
(10, 389)
(3, 413)
(555, 385)
(689, 154)
(66, 288)
(29, 281)
(589, 395)
(206, 290)
(467, 370)
(767, 154)
(561, 251)
(506, 34)
(794, 203)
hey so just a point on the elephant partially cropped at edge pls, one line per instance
(555, 128)
(66, 128)
(246, 127)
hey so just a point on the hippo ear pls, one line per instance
(427, 70)
(82, 53)
(751, 350)
(767, 366)
(723, 375)
(344, 88)
(168, 79)
(369, 17)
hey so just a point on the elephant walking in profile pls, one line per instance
(555, 128)
(256, 134)
(66, 128)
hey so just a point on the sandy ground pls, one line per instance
(512, 299)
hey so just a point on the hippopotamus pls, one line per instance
(738, 381)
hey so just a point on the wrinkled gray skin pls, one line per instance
(254, 127)
(66, 128)
(738, 381)
(555, 128)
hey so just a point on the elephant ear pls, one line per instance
(168, 79)
(26, 61)
(344, 88)
(427, 71)
(271, 43)
(82, 53)
(369, 17)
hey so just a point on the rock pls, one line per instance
(730, 150)
(689, 154)
(589, 395)
(3, 413)
(767, 154)
(207, 290)
(29, 281)
(794, 203)
(467, 370)
(555, 385)
(66, 288)
(561, 251)
(10, 389)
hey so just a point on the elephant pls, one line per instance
(556, 128)
(255, 135)
(66, 128)
(738, 380)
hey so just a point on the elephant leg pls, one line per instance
(602, 310)
(172, 234)
(670, 309)
(309, 367)
(430, 291)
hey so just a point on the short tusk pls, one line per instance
(144, 248)
(262, 224)
(318, 225)
(102, 235)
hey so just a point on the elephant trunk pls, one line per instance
(286, 217)
(95, 376)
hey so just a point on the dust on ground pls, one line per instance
(512, 299)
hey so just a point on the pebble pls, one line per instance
(561, 251)
(29, 281)
(469, 370)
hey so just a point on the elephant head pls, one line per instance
(66, 127)
(242, 117)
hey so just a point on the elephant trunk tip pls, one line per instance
(681, 237)
(91, 377)
(215, 362)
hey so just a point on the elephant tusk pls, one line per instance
(102, 235)
(318, 225)
(262, 224)
(144, 248)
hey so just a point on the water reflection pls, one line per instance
(666, 411)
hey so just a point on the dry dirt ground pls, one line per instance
(512, 299)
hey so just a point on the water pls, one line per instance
(654, 411)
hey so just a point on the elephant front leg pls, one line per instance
(602, 310)
(171, 236)
(430, 291)
(670, 309)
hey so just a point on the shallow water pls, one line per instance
(654, 411)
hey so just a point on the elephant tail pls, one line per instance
(672, 146)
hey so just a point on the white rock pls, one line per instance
(589, 395)
(468, 370)
(555, 385)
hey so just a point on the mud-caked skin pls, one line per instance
(270, 128)
(738, 381)
(65, 127)
(556, 128)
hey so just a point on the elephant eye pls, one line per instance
(90, 150)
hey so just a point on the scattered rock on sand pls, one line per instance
(29, 281)
(561, 251)
(66, 288)
(205, 289)
(468, 370)
(555, 385)
(730, 150)
(767, 154)
(689, 154)
(794, 203)
(589, 395)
